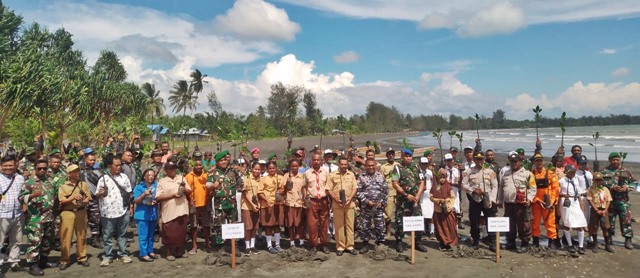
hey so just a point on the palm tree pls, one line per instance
(155, 103)
(197, 81)
(182, 98)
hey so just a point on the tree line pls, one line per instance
(47, 88)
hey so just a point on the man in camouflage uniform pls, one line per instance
(409, 187)
(91, 177)
(225, 183)
(58, 177)
(372, 194)
(619, 181)
(39, 194)
(156, 164)
(27, 164)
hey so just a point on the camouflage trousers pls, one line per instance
(228, 216)
(404, 207)
(94, 216)
(371, 224)
(623, 212)
(40, 237)
(56, 224)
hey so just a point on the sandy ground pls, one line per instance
(431, 264)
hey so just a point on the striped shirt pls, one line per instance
(10, 207)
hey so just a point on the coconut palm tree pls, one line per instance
(155, 103)
(182, 98)
(197, 81)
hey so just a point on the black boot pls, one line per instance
(594, 244)
(556, 242)
(536, 241)
(551, 243)
(524, 247)
(45, 263)
(399, 246)
(96, 242)
(628, 244)
(35, 270)
(607, 245)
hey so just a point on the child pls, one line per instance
(599, 198)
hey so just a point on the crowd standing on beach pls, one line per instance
(306, 197)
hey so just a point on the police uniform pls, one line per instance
(39, 226)
(372, 188)
(620, 206)
(485, 180)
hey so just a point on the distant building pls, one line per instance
(158, 132)
(192, 134)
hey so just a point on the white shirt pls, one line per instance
(329, 168)
(111, 205)
(584, 184)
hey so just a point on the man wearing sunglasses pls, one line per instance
(39, 194)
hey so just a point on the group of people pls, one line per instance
(307, 200)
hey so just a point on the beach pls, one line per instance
(434, 263)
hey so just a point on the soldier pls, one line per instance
(224, 183)
(481, 186)
(91, 177)
(39, 194)
(544, 204)
(11, 215)
(387, 170)
(489, 158)
(156, 164)
(516, 191)
(619, 181)
(58, 177)
(73, 195)
(409, 188)
(341, 186)
(372, 194)
(27, 164)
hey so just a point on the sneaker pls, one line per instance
(125, 259)
(246, 252)
(272, 250)
(581, 250)
(105, 262)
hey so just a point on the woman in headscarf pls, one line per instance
(444, 218)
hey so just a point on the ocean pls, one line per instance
(620, 138)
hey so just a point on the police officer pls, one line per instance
(619, 181)
(38, 194)
(409, 187)
(481, 186)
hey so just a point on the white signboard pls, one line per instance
(232, 231)
(498, 224)
(412, 223)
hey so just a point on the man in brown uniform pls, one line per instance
(318, 210)
(386, 170)
(341, 186)
(73, 195)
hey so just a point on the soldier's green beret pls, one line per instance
(427, 153)
(54, 152)
(520, 150)
(614, 155)
(270, 156)
(221, 155)
(29, 151)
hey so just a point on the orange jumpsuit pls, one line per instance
(537, 209)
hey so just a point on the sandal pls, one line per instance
(171, 258)
(154, 256)
(146, 259)
(193, 251)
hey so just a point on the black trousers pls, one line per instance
(475, 210)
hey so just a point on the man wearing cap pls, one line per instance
(156, 164)
(409, 188)
(372, 196)
(481, 186)
(432, 164)
(39, 195)
(27, 164)
(11, 215)
(599, 198)
(619, 181)
(516, 191)
(91, 176)
(454, 153)
(58, 177)
(329, 160)
(387, 170)
(73, 196)
(224, 182)
(544, 203)
(454, 177)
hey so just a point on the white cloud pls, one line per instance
(497, 16)
(582, 99)
(256, 19)
(622, 71)
(346, 57)
(608, 51)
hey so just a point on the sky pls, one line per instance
(422, 56)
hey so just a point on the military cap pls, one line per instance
(221, 155)
(614, 155)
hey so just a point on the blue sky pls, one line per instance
(424, 57)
